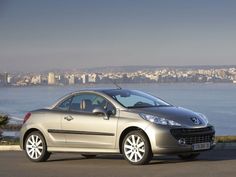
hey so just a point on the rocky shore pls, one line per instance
(9, 133)
(3, 122)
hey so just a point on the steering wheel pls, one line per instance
(139, 103)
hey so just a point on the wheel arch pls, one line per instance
(28, 132)
(126, 131)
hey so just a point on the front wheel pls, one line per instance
(36, 148)
(136, 148)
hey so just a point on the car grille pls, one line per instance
(194, 135)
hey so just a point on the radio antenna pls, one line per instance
(117, 86)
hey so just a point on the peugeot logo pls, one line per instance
(196, 120)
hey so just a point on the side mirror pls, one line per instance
(98, 111)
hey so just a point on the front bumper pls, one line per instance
(166, 140)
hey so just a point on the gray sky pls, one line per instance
(41, 35)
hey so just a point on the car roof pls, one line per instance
(98, 90)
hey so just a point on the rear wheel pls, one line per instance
(136, 148)
(191, 156)
(89, 156)
(36, 148)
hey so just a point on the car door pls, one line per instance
(53, 125)
(84, 129)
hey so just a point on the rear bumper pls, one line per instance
(22, 132)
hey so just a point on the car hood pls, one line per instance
(178, 114)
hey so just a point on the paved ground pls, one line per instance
(210, 164)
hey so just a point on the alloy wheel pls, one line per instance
(136, 148)
(34, 147)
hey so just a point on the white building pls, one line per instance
(93, 77)
(9, 79)
(84, 78)
(51, 79)
(71, 79)
(36, 80)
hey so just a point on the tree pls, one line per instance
(3, 121)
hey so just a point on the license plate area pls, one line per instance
(201, 146)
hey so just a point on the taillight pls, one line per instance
(27, 116)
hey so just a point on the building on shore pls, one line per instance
(36, 80)
(3, 79)
(84, 78)
(92, 78)
(51, 78)
(71, 79)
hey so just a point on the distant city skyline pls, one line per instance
(127, 75)
(45, 35)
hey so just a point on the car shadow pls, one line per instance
(215, 155)
(218, 155)
(65, 159)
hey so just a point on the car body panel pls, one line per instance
(42, 120)
(178, 114)
(89, 131)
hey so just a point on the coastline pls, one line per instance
(122, 83)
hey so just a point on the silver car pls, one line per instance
(128, 122)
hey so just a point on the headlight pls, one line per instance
(159, 120)
(204, 118)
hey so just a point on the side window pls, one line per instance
(65, 105)
(111, 108)
(103, 103)
(82, 102)
(86, 102)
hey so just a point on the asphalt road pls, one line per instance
(210, 164)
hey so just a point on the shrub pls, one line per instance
(3, 120)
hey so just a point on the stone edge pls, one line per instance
(10, 148)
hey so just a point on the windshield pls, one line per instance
(135, 99)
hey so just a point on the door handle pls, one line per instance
(68, 118)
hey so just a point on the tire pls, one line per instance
(36, 147)
(191, 156)
(89, 156)
(136, 148)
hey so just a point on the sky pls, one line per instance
(42, 35)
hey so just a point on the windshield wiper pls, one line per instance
(163, 105)
(133, 107)
(136, 107)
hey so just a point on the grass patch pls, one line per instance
(225, 139)
(10, 142)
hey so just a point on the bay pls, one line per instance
(216, 101)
